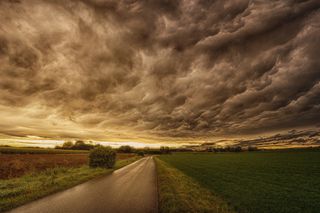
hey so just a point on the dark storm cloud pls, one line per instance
(162, 69)
(291, 138)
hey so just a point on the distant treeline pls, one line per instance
(231, 149)
(81, 145)
(78, 145)
(146, 150)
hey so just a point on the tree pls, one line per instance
(126, 149)
(67, 145)
(164, 150)
(81, 145)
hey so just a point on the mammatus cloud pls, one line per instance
(158, 70)
(292, 138)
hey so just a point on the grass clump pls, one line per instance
(180, 193)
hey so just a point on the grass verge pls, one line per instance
(180, 193)
(18, 191)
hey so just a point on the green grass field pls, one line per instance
(180, 193)
(273, 182)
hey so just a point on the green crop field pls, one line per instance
(257, 182)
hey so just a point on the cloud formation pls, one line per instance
(158, 70)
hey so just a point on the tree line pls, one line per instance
(81, 145)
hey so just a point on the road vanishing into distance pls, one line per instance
(130, 189)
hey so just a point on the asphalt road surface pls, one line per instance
(130, 189)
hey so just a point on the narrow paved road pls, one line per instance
(130, 189)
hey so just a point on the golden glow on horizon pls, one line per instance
(53, 143)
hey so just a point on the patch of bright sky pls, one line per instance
(53, 143)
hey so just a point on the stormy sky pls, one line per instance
(158, 70)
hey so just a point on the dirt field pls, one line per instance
(16, 165)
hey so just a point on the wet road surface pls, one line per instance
(130, 189)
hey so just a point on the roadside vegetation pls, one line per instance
(17, 191)
(16, 165)
(180, 193)
(104, 157)
(27, 174)
(264, 182)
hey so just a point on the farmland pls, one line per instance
(180, 193)
(254, 182)
(16, 165)
(30, 173)
(35, 150)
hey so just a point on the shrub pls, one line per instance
(140, 153)
(252, 148)
(102, 157)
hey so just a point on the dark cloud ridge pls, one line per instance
(167, 69)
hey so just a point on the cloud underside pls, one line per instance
(292, 138)
(158, 70)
